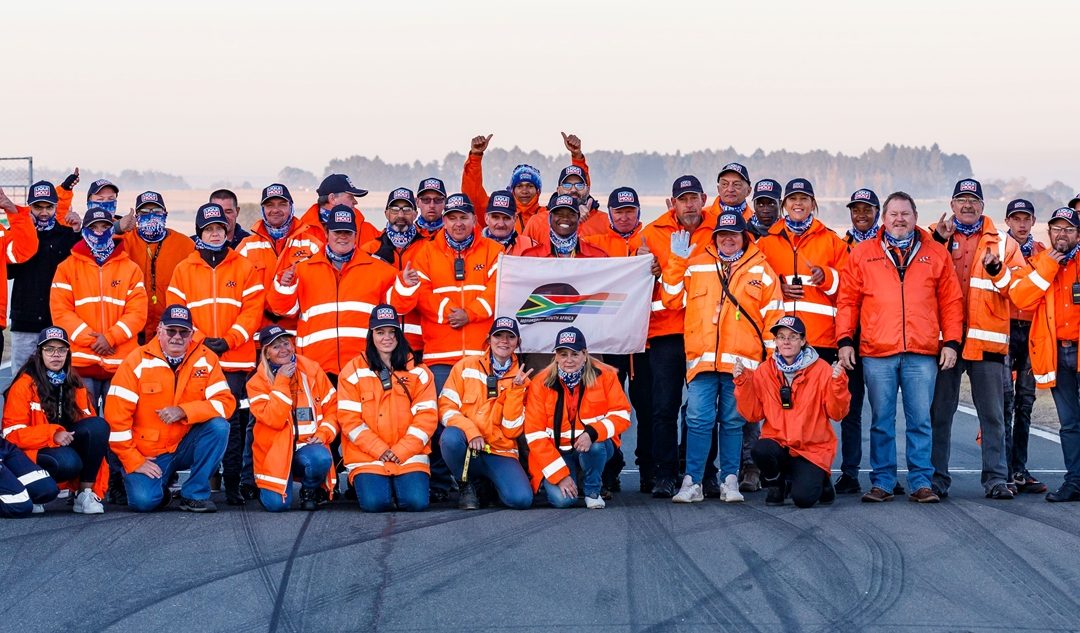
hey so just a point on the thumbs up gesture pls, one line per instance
(288, 277)
(479, 144)
(573, 145)
(409, 276)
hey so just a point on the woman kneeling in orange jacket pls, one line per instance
(795, 394)
(387, 412)
(573, 411)
(295, 411)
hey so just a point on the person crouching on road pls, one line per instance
(295, 410)
(483, 408)
(24, 487)
(795, 394)
(47, 413)
(584, 396)
(387, 412)
(167, 408)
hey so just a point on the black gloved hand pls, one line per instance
(217, 345)
(70, 182)
(993, 269)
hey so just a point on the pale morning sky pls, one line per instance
(237, 90)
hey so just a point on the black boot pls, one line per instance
(117, 493)
(308, 499)
(776, 491)
(249, 492)
(828, 494)
(467, 499)
(233, 496)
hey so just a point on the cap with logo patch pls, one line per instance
(150, 197)
(684, 185)
(968, 186)
(792, 323)
(735, 168)
(768, 188)
(276, 190)
(864, 195)
(341, 218)
(1065, 213)
(563, 202)
(1020, 206)
(504, 324)
(730, 222)
(97, 215)
(271, 333)
(53, 333)
(339, 183)
(431, 184)
(502, 202)
(570, 338)
(623, 197)
(402, 194)
(798, 185)
(458, 202)
(99, 184)
(384, 315)
(209, 213)
(177, 315)
(572, 170)
(42, 191)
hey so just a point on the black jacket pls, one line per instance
(32, 280)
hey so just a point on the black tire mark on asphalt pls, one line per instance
(80, 525)
(269, 585)
(769, 583)
(1043, 598)
(1025, 511)
(886, 582)
(283, 586)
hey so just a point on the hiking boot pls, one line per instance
(438, 495)
(877, 495)
(729, 490)
(322, 497)
(847, 485)
(467, 498)
(710, 487)
(750, 478)
(664, 488)
(1026, 483)
(828, 493)
(250, 492)
(595, 503)
(1001, 492)
(308, 501)
(774, 495)
(88, 503)
(689, 492)
(1067, 492)
(924, 495)
(645, 484)
(197, 505)
(116, 495)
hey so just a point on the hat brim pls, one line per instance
(564, 206)
(1009, 214)
(854, 202)
(55, 338)
(776, 327)
(737, 173)
(503, 329)
(792, 193)
(968, 193)
(508, 213)
(267, 342)
(264, 200)
(626, 206)
(770, 196)
(682, 193)
(170, 323)
(95, 192)
(569, 347)
(447, 211)
(31, 202)
(145, 204)
(438, 191)
(359, 193)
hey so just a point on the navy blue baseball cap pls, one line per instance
(271, 333)
(458, 202)
(150, 197)
(798, 185)
(564, 201)
(209, 213)
(685, 184)
(97, 215)
(730, 222)
(431, 184)
(864, 195)
(768, 188)
(98, 185)
(276, 190)
(341, 218)
(1072, 203)
(1020, 206)
(1065, 213)
(177, 315)
(504, 324)
(570, 338)
(384, 315)
(623, 197)
(401, 193)
(968, 186)
(42, 191)
(790, 322)
(572, 170)
(53, 333)
(339, 183)
(737, 168)
(502, 201)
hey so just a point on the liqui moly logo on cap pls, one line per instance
(385, 314)
(733, 167)
(573, 170)
(502, 202)
(564, 200)
(343, 216)
(402, 194)
(275, 190)
(348, 181)
(862, 194)
(41, 191)
(728, 219)
(567, 338)
(179, 313)
(685, 183)
(55, 332)
(150, 196)
(788, 322)
(764, 186)
(968, 185)
(1020, 205)
(432, 183)
(1064, 213)
(212, 212)
(625, 196)
(101, 182)
(455, 201)
(504, 322)
(798, 184)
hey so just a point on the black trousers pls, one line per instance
(778, 466)
(233, 460)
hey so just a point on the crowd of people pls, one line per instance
(269, 360)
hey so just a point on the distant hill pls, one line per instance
(128, 179)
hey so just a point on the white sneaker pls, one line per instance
(689, 492)
(86, 502)
(595, 503)
(729, 490)
(38, 509)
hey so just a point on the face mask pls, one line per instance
(45, 224)
(151, 226)
(109, 206)
(101, 246)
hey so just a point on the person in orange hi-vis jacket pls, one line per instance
(563, 237)
(501, 223)
(335, 190)
(430, 202)
(18, 243)
(731, 296)
(279, 241)
(225, 295)
(795, 394)
(47, 413)
(387, 413)
(166, 409)
(156, 250)
(573, 181)
(483, 408)
(295, 411)
(574, 409)
(732, 190)
(333, 293)
(525, 182)
(986, 262)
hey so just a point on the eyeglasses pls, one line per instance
(580, 186)
(788, 339)
(401, 210)
(1067, 230)
(173, 332)
(54, 350)
(431, 199)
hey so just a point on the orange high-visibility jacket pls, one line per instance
(146, 383)
(374, 420)
(804, 429)
(915, 314)
(466, 403)
(365, 231)
(657, 236)
(538, 226)
(109, 299)
(63, 205)
(225, 302)
(600, 411)
(542, 248)
(271, 256)
(1037, 247)
(26, 425)
(18, 243)
(1035, 289)
(414, 332)
(438, 293)
(157, 263)
(986, 306)
(792, 255)
(616, 245)
(334, 306)
(718, 333)
(472, 185)
(277, 434)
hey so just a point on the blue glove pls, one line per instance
(680, 244)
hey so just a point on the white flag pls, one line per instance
(608, 299)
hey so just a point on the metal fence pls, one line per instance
(16, 176)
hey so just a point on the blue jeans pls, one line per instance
(200, 451)
(375, 493)
(82, 458)
(1067, 402)
(587, 469)
(710, 400)
(916, 375)
(310, 464)
(505, 472)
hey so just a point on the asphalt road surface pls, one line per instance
(967, 564)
